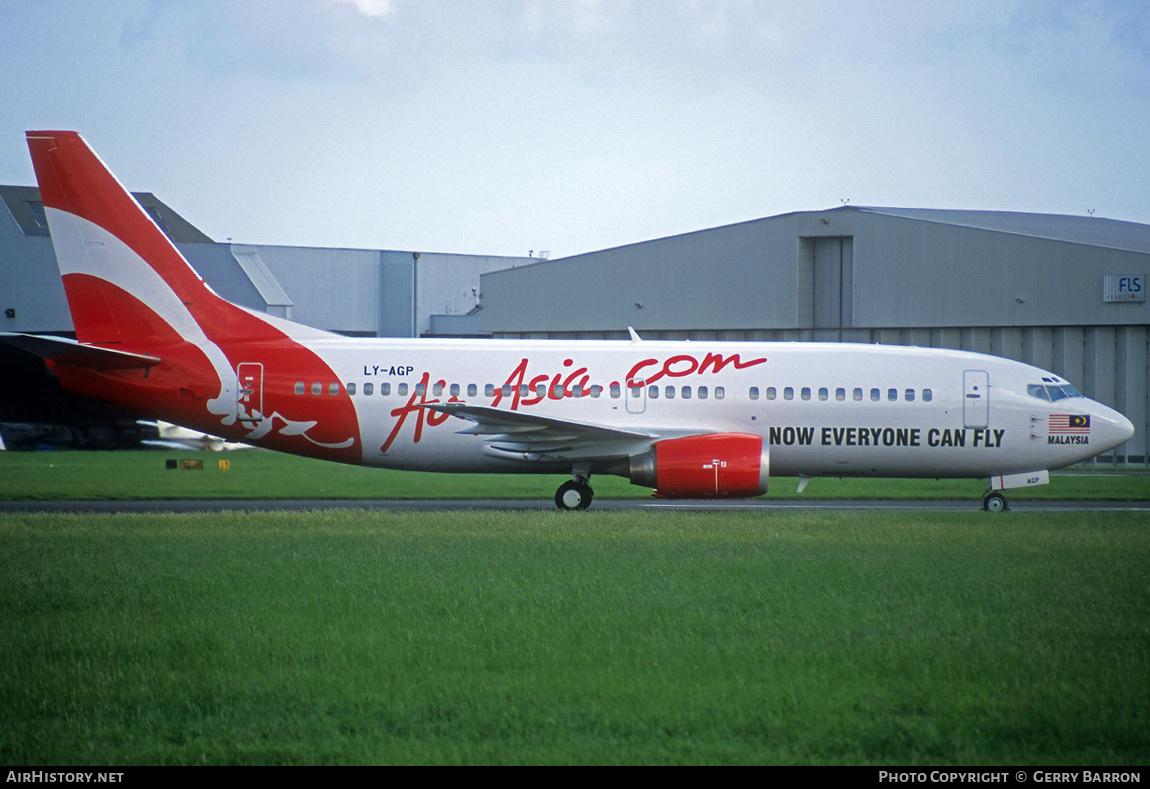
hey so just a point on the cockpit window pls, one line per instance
(1052, 392)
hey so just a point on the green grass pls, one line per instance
(591, 638)
(263, 474)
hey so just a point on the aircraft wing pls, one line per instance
(520, 434)
(65, 351)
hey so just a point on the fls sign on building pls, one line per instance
(1123, 288)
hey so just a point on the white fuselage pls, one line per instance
(823, 409)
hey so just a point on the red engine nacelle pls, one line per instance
(707, 466)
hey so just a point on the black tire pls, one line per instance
(994, 502)
(574, 495)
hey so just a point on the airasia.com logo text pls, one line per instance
(522, 389)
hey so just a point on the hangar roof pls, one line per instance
(23, 203)
(1095, 231)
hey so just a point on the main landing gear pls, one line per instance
(994, 501)
(575, 494)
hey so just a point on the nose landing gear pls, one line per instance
(994, 501)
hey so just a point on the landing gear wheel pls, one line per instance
(574, 495)
(994, 502)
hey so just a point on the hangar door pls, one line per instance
(829, 264)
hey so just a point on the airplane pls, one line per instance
(169, 436)
(16, 435)
(688, 419)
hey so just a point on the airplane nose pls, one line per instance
(1125, 430)
(1112, 428)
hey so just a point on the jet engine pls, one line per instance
(706, 466)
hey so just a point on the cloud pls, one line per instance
(382, 9)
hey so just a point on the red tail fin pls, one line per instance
(128, 286)
(124, 279)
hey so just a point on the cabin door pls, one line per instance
(250, 393)
(975, 398)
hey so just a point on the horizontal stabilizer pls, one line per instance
(61, 350)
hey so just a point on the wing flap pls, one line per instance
(531, 436)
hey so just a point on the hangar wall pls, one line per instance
(710, 280)
(376, 293)
(1022, 286)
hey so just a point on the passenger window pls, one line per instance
(892, 395)
(669, 393)
(489, 390)
(686, 393)
(840, 394)
(753, 393)
(702, 393)
(596, 390)
(615, 391)
(875, 395)
(385, 390)
(420, 389)
(350, 389)
(437, 388)
(788, 393)
(316, 388)
(806, 393)
(369, 389)
(857, 394)
(927, 395)
(507, 390)
(557, 391)
(401, 390)
(720, 393)
(454, 390)
(472, 390)
(300, 388)
(910, 395)
(653, 392)
(771, 393)
(824, 393)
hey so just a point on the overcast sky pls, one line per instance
(502, 126)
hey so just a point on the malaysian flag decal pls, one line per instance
(1071, 424)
